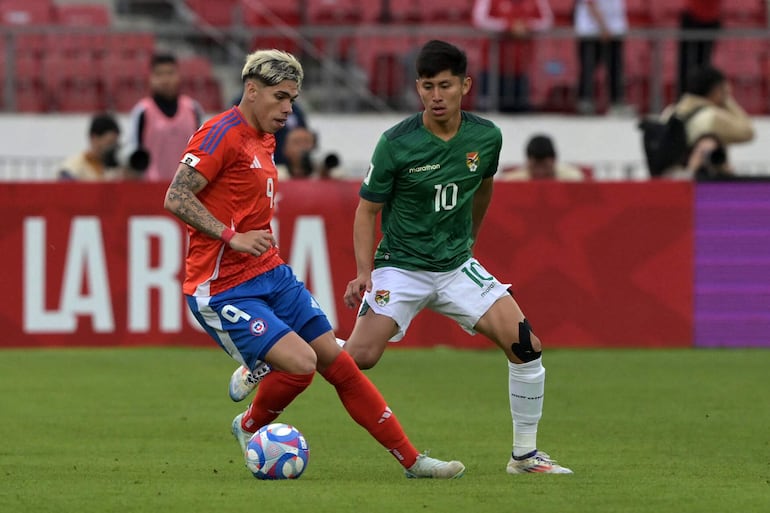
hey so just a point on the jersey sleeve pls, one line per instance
(494, 161)
(378, 183)
(207, 164)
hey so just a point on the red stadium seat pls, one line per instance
(384, 60)
(744, 13)
(75, 43)
(199, 82)
(139, 45)
(639, 13)
(26, 12)
(76, 86)
(28, 85)
(666, 13)
(405, 11)
(125, 80)
(446, 11)
(83, 15)
(270, 13)
(334, 12)
(219, 14)
(553, 82)
(31, 44)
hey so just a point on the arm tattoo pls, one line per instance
(183, 202)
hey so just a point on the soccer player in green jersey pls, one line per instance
(431, 176)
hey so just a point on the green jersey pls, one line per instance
(427, 185)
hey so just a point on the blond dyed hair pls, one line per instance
(271, 67)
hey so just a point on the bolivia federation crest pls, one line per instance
(472, 161)
(381, 297)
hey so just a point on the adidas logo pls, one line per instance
(385, 415)
(255, 163)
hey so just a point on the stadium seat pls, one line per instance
(26, 12)
(270, 13)
(405, 11)
(76, 43)
(334, 12)
(218, 14)
(31, 44)
(28, 85)
(385, 61)
(139, 45)
(744, 13)
(76, 86)
(125, 80)
(666, 13)
(83, 15)
(553, 80)
(447, 11)
(199, 82)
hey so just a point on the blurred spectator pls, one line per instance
(600, 27)
(295, 119)
(163, 122)
(706, 161)
(697, 15)
(542, 164)
(299, 146)
(100, 160)
(720, 114)
(299, 143)
(514, 21)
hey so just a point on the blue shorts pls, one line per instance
(248, 319)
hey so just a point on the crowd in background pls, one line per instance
(162, 120)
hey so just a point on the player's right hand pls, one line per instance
(254, 242)
(356, 289)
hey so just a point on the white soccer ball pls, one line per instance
(277, 451)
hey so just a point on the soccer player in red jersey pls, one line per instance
(236, 283)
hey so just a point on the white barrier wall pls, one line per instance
(30, 144)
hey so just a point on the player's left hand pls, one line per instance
(254, 242)
(356, 289)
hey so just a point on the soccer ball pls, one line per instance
(277, 451)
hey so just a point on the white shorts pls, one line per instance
(464, 294)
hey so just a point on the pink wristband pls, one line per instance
(227, 235)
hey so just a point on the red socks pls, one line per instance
(366, 406)
(274, 393)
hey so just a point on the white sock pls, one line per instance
(526, 384)
(340, 342)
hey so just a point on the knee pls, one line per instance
(303, 363)
(528, 347)
(364, 358)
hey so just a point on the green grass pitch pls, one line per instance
(148, 430)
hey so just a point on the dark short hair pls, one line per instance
(702, 81)
(162, 58)
(103, 123)
(540, 147)
(437, 56)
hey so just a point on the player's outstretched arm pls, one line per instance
(364, 232)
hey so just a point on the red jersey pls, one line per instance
(501, 16)
(237, 160)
